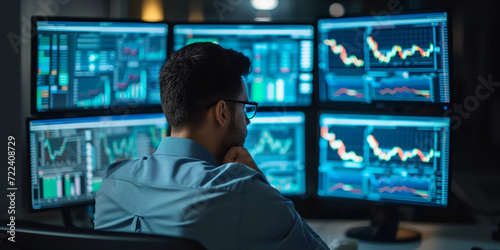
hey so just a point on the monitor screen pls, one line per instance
(96, 65)
(69, 156)
(276, 142)
(281, 55)
(384, 58)
(399, 159)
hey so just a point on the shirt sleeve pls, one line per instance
(270, 221)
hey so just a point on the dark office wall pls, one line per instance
(476, 158)
(10, 89)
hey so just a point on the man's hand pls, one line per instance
(240, 155)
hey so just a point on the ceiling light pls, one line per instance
(264, 4)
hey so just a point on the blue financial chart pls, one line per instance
(69, 156)
(384, 58)
(97, 65)
(281, 55)
(399, 159)
(276, 142)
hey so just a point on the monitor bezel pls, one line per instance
(149, 108)
(400, 105)
(28, 192)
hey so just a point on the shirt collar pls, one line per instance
(186, 148)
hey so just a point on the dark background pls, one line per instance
(475, 39)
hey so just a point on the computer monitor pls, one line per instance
(69, 156)
(276, 141)
(401, 159)
(96, 64)
(281, 55)
(385, 58)
(384, 159)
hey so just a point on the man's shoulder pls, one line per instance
(123, 165)
(157, 170)
(238, 170)
(231, 176)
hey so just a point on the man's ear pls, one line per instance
(222, 113)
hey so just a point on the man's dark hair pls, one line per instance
(197, 75)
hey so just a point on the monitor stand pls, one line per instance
(384, 227)
(66, 216)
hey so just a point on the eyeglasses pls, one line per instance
(250, 107)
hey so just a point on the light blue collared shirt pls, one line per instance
(182, 191)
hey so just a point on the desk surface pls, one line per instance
(434, 235)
